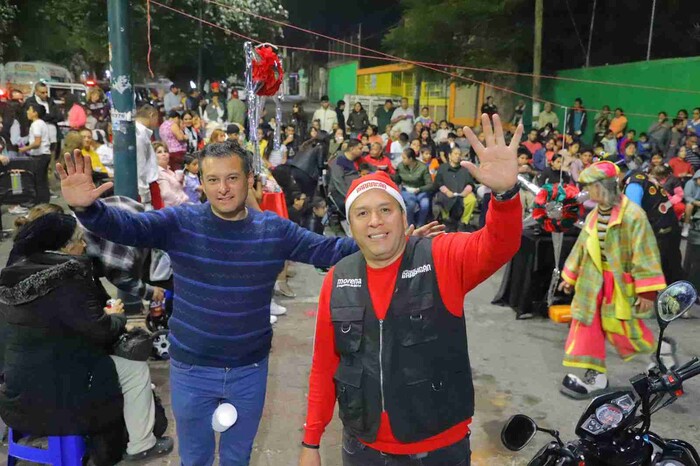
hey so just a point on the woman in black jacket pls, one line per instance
(357, 120)
(59, 377)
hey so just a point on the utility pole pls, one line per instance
(122, 112)
(199, 56)
(537, 58)
(359, 39)
(651, 28)
(590, 36)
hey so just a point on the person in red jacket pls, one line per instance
(390, 340)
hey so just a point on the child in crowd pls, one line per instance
(682, 169)
(397, 148)
(425, 117)
(442, 133)
(365, 169)
(317, 221)
(426, 156)
(461, 140)
(553, 173)
(298, 209)
(581, 163)
(626, 140)
(525, 169)
(673, 186)
(386, 135)
(364, 138)
(656, 160)
(610, 145)
(631, 160)
(192, 185)
(446, 147)
(644, 147)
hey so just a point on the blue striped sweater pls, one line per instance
(224, 273)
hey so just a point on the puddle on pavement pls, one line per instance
(493, 408)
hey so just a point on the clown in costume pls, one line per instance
(616, 271)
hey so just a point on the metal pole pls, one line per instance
(537, 56)
(651, 28)
(122, 95)
(590, 36)
(201, 45)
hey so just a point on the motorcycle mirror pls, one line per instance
(675, 301)
(518, 432)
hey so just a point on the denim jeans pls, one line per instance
(422, 200)
(197, 391)
(355, 453)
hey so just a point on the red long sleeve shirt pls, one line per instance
(462, 261)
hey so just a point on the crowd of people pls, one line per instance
(194, 169)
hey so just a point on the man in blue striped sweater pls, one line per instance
(225, 260)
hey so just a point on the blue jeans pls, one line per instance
(422, 200)
(197, 392)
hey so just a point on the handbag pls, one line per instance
(135, 344)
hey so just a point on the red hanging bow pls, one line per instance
(267, 71)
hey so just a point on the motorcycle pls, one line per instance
(615, 428)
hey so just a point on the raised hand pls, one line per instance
(77, 186)
(429, 230)
(498, 168)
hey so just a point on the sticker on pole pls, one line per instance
(121, 116)
(121, 84)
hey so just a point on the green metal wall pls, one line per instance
(677, 73)
(342, 79)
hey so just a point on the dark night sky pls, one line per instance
(621, 27)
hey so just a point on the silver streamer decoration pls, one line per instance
(256, 104)
(557, 242)
(253, 107)
(278, 120)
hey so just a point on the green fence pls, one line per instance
(342, 80)
(675, 73)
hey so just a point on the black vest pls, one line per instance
(424, 379)
(654, 197)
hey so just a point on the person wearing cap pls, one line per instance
(172, 100)
(225, 258)
(390, 342)
(232, 132)
(326, 116)
(653, 198)
(616, 272)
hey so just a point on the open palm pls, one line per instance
(77, 186)
(498, 162)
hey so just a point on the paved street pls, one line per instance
(516, 369)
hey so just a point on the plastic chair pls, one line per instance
(63, 451)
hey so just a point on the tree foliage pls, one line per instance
(481, 33)
(74, 34)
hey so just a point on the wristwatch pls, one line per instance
(508, 195)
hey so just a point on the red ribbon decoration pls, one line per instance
(267, 71)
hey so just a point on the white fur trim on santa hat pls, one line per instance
(372, 184)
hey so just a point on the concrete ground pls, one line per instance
(517, 369)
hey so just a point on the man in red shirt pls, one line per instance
(390, 340)
(532, 144)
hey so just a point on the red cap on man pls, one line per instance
(378, 180)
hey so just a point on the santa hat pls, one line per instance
(378, 180)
